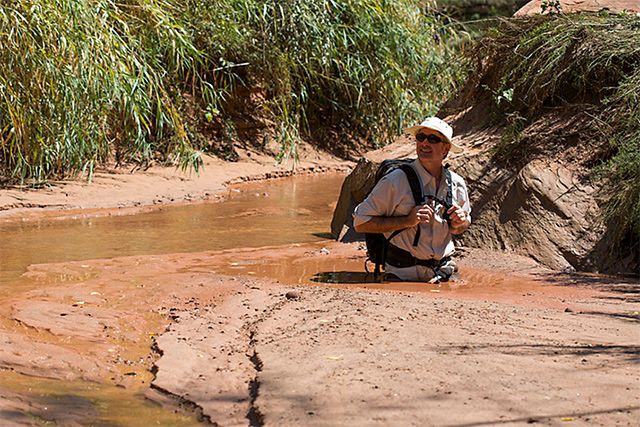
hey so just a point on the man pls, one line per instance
(391, 206)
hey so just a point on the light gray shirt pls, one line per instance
(392, 197)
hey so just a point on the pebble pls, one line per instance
(292, 295)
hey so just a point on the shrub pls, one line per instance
(80, 80)
(359, 68)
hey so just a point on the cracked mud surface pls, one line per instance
(318, 355)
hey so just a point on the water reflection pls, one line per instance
(345, 277)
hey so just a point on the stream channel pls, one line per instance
(277, 212)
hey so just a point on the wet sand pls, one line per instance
(248, 349)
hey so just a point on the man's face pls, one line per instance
(431, 146)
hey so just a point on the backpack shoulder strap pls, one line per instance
(449, 180)
(448, 200)
(416, 190)
(414, 182)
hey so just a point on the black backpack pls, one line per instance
(377, 243)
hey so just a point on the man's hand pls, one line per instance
(459, 220)
(421, 213)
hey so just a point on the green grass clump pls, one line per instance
(566, 58)
(622, 170)
(333, 69)
(84, 81)
(587, 64)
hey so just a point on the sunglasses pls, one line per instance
(431, 138)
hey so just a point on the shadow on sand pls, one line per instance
(627, 287)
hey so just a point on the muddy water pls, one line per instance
(273, 213)
(325, 263)
(83, 403)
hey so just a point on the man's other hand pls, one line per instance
(459, 219)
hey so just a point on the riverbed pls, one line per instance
(198, 313)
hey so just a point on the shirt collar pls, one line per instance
(428, 181)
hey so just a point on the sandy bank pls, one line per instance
(247, 349)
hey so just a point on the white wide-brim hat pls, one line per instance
(439, 126)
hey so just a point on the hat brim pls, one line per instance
(415, 129)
